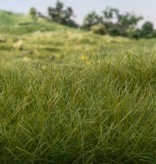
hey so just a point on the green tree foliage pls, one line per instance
(91, 19)
(114, 30)
(111, 21)
(68, 13)
(59, 10)
(33, 13)
(59, 6)
(134, 33)
(115, 22)
(110, 13)
(53, 14)
(61, 15)
(127, 21)
(148, 29)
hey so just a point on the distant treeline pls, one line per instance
(111, 21)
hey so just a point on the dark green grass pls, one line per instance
(99, 113)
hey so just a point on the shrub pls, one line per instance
(147, 29)
(114, 31)
(134, 34)
(99, 29)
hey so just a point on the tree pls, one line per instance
(68, 13)
(61, 15)
(33, 13)
(134, 33)
(127, 21)
(147, 29)
(55, 13)
(66, 17)
(110, 13)
(114, 30)
(110, 16)
(114, 22)
(91, 19)
(59, 10)
(117, 23)
(59, 6)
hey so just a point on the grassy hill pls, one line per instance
(48, 42)
(45, 41)
(18, 24)
(70, 96)
(9, 19)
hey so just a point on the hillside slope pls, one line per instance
(8, 18)
(12, 23)
(46, 41)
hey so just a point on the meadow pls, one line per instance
(69, 96)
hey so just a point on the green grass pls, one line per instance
(99, 113)
(48, 42)
(67, 46)
(9, 19)
(69, 96)
(19, 24)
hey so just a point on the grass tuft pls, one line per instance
(104, 112)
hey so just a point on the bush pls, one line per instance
(134, 34)
(70, 23)
(147, 29)
(114, 31)
(99, 29)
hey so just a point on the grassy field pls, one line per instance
(69, 96)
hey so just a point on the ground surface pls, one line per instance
(69, 96)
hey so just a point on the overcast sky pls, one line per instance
(146, 8)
